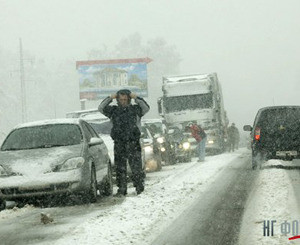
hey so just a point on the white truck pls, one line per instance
(195, 98)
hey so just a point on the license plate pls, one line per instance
(286, 153)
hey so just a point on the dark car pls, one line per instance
(151, 152)
(275, 134)
(180, 144)
(158, 130)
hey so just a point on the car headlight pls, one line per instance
(148, 149)
(72, 163)
(186, 145)
(160, 140)
(2, 172)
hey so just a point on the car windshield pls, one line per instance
(287, 116)
(188, 102)
(102, 128)
(144, 133)
(42, 137)
(154, 127)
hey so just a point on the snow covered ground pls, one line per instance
(140, 219)
(272, 198)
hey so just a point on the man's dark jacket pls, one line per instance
(126, 120)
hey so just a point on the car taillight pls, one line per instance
(257, 134)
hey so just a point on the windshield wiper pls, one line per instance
(50, 145)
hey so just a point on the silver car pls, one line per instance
(59, 156)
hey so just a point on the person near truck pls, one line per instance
(200, 136)
(233, 137)
(125, 118)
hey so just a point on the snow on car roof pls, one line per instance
(152, 120)
(48, 121)
(280, 107)
(94, 116)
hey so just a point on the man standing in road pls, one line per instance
(233, 137)
(126, 133)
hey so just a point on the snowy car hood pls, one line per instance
(34, 162)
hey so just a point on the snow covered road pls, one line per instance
(216, 214)
(219, 187)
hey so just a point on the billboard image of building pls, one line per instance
(101, 78)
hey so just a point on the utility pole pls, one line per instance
(23, 87)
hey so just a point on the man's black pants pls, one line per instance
(131, 151)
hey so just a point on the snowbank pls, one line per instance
(139, 219)
(272, 198)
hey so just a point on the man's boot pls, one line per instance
(122, 191)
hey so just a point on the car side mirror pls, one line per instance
(95, 141)
(247, 128)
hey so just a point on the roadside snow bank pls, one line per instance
(139, 219)
(15, 212)
(272, 198)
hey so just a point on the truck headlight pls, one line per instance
(160, 140)
(186, 145)
(72, 163)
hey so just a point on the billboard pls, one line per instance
(101, 78)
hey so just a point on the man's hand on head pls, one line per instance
(133, 95)
(113, 96)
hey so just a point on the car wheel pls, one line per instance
(172, 158)
(2, 204)
(188, 157)
(159, 165)
(106, 188)
(92, 193)
(166, 158)
(254, 163)
(257, 160)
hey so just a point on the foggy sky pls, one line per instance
(252, 45)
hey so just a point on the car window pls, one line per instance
(102, 128)
(43, 137)
(91, 130)
(145, 133)
(154, 127)
(86, 131)
(275, 116)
